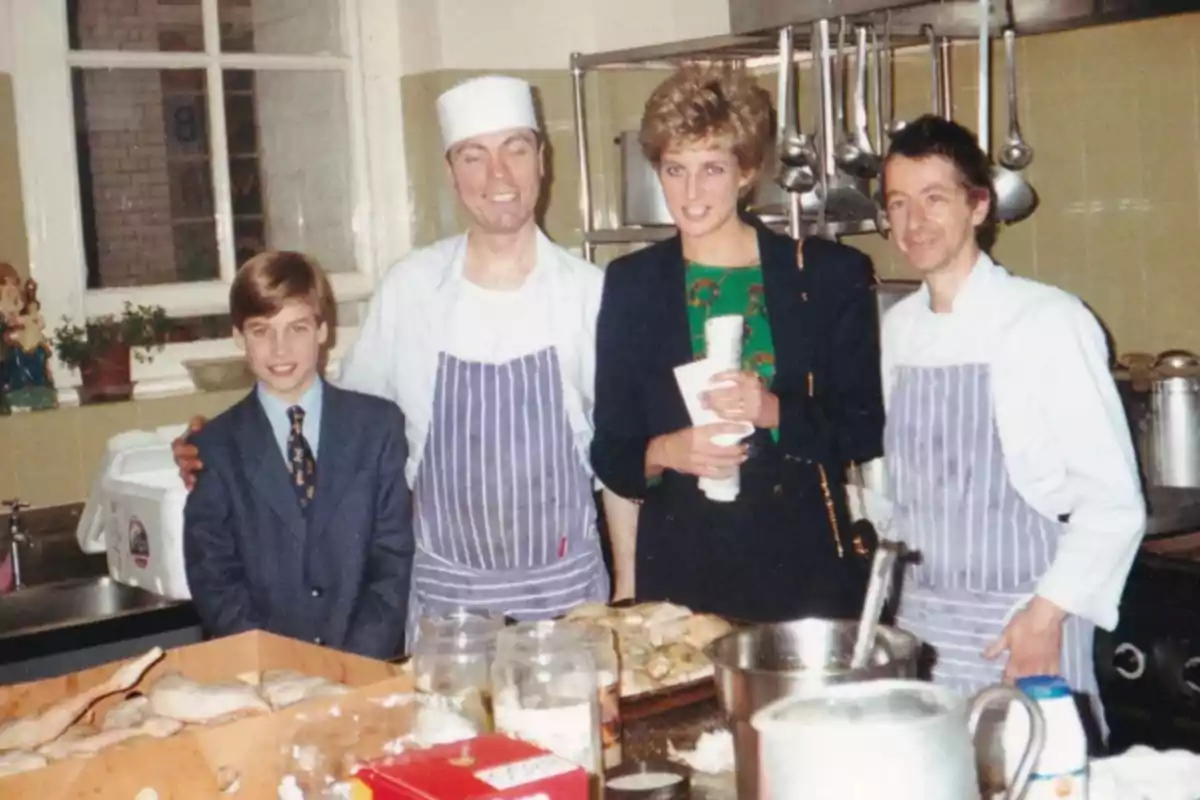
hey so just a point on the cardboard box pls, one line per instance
(198, 762)
(490, 767)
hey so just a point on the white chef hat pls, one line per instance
(485, 105)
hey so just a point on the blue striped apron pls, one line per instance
(504, 511)
(983, 548)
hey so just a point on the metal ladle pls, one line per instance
(1015, 153)
(844, 195)
(935, 86)
(883, 566)
(885, 84)
(1015, 198)
(795, 148)
(854, 153)
(844, 151)
(881, 131)
(797, 156)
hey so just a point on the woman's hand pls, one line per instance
(746, 400)
(692, 452)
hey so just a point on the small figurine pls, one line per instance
(11, 302)
(29, 386)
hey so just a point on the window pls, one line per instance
(163, 142)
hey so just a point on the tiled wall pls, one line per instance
(1114, 115)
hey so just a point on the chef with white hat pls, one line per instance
(486, 341)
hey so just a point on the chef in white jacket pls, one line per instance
(486, 341)
(1008, 458)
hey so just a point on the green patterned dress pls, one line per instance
(716, 291)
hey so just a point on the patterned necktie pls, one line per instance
(301, 463)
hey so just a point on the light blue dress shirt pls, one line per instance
(276, 411)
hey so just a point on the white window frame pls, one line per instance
(41, 63)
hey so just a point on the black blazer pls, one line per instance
(643, 335)
(337, 573)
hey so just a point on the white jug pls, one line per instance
(899, 739)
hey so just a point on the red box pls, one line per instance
(490, 767)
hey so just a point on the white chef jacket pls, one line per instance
(1061, 425)
(411, 320)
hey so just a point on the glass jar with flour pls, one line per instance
(451, 665)
(544, 691)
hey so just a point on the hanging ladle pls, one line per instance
(845, 195)
(882, 136)
(795, 148)
(1015, 198)
(935, 72)
(854, 154)
(1015, 152)
(797, 156)
(885, 86)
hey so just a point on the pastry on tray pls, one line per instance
(660, 644)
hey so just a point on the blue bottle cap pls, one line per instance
(1044, 687)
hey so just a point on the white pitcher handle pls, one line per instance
(1003, 695)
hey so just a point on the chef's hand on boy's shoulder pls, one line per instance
(187, 456)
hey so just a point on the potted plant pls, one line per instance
(102, 349)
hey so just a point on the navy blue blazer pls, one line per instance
(336, 574)
(643, 334)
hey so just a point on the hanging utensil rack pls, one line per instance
(754, 44)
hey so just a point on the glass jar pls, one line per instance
(452, 665)
(603, 644)
(461, 621)
(544, 691)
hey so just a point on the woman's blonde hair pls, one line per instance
(706, 101)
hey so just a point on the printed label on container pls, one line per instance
(1057, 787)
(531, 770)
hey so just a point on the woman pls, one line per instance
(810, 385)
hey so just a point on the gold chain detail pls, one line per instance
(828, 495)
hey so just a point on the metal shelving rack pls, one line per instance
(754, 51)
(754, 43)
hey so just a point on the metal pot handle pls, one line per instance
(1003, 695)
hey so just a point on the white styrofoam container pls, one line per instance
(135, 513)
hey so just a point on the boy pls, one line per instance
(299, 522)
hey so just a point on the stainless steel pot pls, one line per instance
(642, 200)
(758, 665)
(1162, 401)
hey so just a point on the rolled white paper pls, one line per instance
(723, 340)
(725, 490)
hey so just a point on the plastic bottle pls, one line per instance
(1061, 772)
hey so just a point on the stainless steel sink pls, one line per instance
(69, 603)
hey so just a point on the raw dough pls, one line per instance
(33, 731)
(127, 713)
(179, 698)
(21, 761)
(155, 727)
(283, 688)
